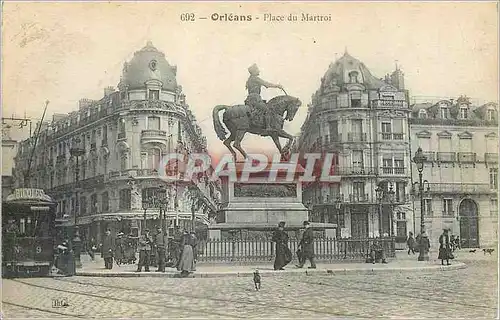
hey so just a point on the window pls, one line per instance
(422, 114)
(93, 136)
(83, 205)
(93, 203)
(123, 161)
(105, 202)
(358, 189)
(105, 135)
(154, 158)
(357, 159)
(153, 123)
(493, 178)
(353, 77)
(397, 126)
(399, 164)
(490, 114)
(333, 127)
(447, 207)
(386, 130)
(125, 199)
(387, 164)
(154, 94)
(121, 128)
(400, 192)
(445, 112)
(464, 113)
(401, 229)
(427, 207)
(356, 100)
(494, 207)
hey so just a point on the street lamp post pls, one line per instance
(380, 195)
(390, 197)
(419, 161)
(77, 151)
(145, 205)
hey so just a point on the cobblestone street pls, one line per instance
(466, 293)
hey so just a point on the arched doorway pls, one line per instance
(469, 228)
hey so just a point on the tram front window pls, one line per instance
(28, 226)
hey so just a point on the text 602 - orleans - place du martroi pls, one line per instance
(266, 17)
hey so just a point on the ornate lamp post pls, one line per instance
(163, 204)
(380, 195)
(145, 205)
(390, 196)
(419, 160)
(77, 151)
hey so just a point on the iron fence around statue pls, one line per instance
(325, 249)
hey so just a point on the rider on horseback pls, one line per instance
(254, 85)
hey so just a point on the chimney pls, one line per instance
(108, 91)
(83, 103)
(397, 79)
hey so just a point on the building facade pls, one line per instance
(9, 149)
(460, 142)
(102, 162)
(363, 122)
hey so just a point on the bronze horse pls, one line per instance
(238, 119)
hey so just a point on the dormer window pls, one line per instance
(464, 112)
(445, 113)
(422, 114)
(490, 114)
(353, 77)
(154, 94)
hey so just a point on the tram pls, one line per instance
(28, 233)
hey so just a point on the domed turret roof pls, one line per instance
(149, 64)
(340, 73)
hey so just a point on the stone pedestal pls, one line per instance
(260, 203)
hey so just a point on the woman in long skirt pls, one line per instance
(283, 253)
(186, 263)
(445, 248)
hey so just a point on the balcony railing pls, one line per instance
(153, 134)
(448, 213)
(328, 139)
(356, 136)
(389, 104)
(393, 170)
(344, 171)
(329, 199)
(446, 157)
(392, 135)
(358, 198)
(491, 157)
(466, 157)
(429, 156)
(461, 188)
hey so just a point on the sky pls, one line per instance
(63, 52)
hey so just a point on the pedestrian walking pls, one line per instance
(445, 248)
(107, 249)
(307, 246)
(145, 243)
(159, 242)
(283, 253)
(92, 248)
(119, 248)
(411, 243)
(186, 262)
(194, 245)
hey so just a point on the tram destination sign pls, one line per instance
(28, 194)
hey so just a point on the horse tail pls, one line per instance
(219, 128)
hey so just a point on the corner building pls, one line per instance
(460, 142)
(123, 137)
(363, 121)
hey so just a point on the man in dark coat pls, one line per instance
(108, 247)
(145, 243)
(160, 241)
(307, 246)
(283, 254)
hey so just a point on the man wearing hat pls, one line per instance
(253, 86)
(159, 241)
(307, 246)
(107, 249)
(145, 242)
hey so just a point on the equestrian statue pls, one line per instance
(256, 116)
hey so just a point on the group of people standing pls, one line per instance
(447, 245)
(181, 252)
(283, 252)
